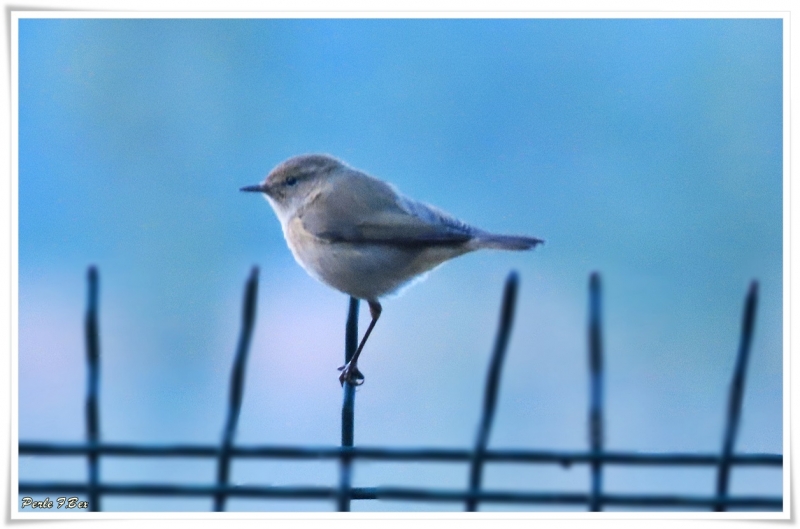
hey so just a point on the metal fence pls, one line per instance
(597, 457)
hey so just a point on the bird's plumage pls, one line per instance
(359, 235)
(340, 212)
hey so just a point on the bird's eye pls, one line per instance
(291, 181)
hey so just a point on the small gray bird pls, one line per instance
(360, 236)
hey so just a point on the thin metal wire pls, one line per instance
(348, 409)
(595, 389)
(411, 494)
(492, 388)
(93, 387)
(737, 392)
(237, 384)
(564, 458)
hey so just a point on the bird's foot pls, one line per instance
(351, 375)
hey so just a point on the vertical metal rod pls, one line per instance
(492, 387)
(736, 393)
(93, 386)
(595, 389)
(237, 384)
(348, 409)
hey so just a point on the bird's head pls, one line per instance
(289, 185)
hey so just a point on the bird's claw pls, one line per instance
(351, 375)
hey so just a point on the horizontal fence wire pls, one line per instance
(564, 458)
(595, 457)
(411, 494)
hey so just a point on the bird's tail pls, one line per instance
(504, 242)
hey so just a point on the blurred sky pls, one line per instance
(648, 150)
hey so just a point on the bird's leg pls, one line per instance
(350, 372)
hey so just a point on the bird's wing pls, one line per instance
(362, 209)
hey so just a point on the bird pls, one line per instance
(361, 236)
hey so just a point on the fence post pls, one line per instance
(348, 409)
(492, 388)
(237, 384)
(93, 387)
(595, 389)
(736, 394)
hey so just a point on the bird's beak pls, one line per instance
(258, 188)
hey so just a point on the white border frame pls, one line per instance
(766, 9)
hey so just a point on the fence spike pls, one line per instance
(348, 409)
(237, 384)
(93, 386)
(595, 389)
(492, 387)
(736, 393)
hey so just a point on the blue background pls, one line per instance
(648, 150)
